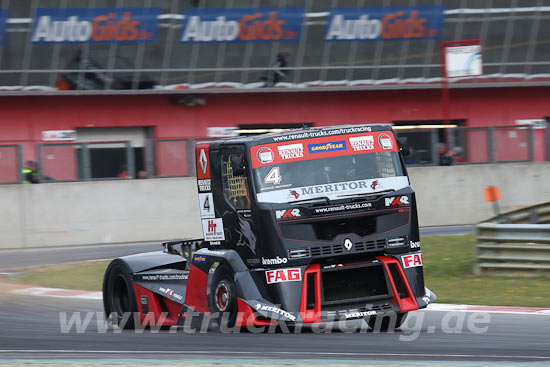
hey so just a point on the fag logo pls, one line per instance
(397, 200)
(203, 161)
(412, 261)
(283, 275)
(287, 214)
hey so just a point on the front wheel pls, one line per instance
(388, 322)
(119, 298)
(222, 300)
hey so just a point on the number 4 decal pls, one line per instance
(274, 176)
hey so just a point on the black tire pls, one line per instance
(222, 299)
(386, 322)
(118, 295)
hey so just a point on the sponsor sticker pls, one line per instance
(95, 25)
(291, 151)
(213, 229)
(242, 25)
(265, 155)
(362, 143)
(171, 293)
(341, 208)
(283, 275)
(385, 141)
(288, 315)
(412, 261)
(206, 205)
(333, 190)
(415, 244)
(204, 185)
(330, 146)
(396, 200)
(288, 213)
(353, 315)
(276, 261)
(199, 259)
(163, 277)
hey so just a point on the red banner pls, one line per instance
(325, 147)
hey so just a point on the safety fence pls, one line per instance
(512, 249)
(494, 144)
(85, 161)
(176, 46)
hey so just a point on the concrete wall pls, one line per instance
(454, 195)
(78, 213)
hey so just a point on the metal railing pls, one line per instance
(515, 52)
(493, 144)
(512, 249)
(84, 161)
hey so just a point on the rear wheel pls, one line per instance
(386, 322)
(119, 297)
(222, 300)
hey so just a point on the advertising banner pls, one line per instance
(242, 25)
(385, 23)
(326, 147)
(4, 15)
(463, 61)
(100, 25)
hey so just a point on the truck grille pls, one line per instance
(352, 284)
(338, 249)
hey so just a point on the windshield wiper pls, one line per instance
(365, 194)
(312, 200)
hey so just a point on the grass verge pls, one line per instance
(448, 263)
(85, 275)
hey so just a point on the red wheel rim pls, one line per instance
(222, 296)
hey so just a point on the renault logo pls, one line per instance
(348, 244)
(203, 161)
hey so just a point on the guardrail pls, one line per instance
(536, 214)
(512, 249)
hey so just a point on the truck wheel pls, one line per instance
(223, 298)
(385, 322)
(119, 296)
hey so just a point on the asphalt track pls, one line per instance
(31, 330)
(16, 259)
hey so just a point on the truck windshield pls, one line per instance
(345, 175)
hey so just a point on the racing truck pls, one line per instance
(303, 226)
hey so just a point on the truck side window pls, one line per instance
(235, 183)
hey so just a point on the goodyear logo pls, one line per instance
(199, 259)
(242, 25)
(99, 25)
(327, 147)
(385, 23)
